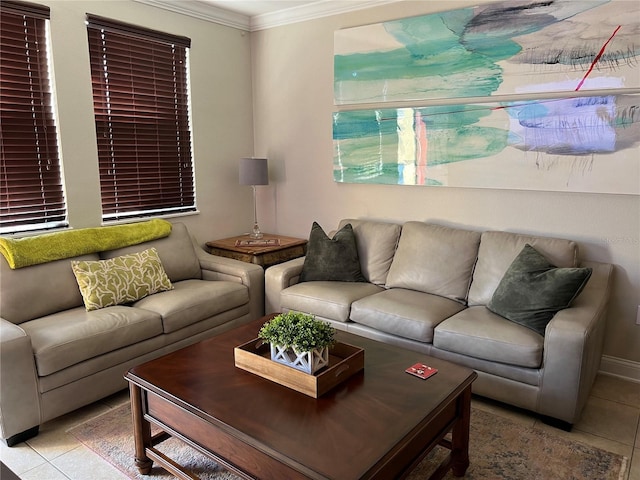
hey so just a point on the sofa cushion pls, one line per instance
(533, 290)
(120, 280)
(38, 290)
(331, 300)
(405, 313)
(331, 259)
(497, 251)
(176, 252)
(377, 242)
(477, 332)
(73, 336)
(192, 301)
(434, 259)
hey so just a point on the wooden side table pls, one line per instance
(267, 251)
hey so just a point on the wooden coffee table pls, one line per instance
(380, 423)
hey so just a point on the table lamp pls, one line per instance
(254, 171)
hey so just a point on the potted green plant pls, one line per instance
(299, 340)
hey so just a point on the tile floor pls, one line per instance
(611, 421)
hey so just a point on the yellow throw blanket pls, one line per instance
(22, 252)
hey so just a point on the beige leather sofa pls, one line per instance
(427, 290)
(56, 357)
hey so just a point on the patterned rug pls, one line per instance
(500, 449)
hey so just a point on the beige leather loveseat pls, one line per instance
(427, 289)
(55, 356)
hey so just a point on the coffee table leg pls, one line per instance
(141, 430)
(460, 436)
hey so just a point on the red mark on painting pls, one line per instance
(595, 60)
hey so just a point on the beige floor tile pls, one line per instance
(589, 439)
(616, 389)
(44, 472)
(609, 419)
(515, 414)
(72, 419)
(82, 464)
(634, 471)
(53, 442)
(117, 399)
(53, 439)
(20, 458)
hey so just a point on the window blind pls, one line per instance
(31, 191)
(140, 98)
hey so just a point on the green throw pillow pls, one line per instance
(120, 280)
(332, 259)
(533, 290)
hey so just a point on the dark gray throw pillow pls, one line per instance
(533, 290)
(332, 259)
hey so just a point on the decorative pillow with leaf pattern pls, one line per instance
(120, 280)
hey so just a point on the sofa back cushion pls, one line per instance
(434, 259)
(32, 292)
(376, 242)
(176, 253)
(499, 249)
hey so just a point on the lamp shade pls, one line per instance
(254, 171)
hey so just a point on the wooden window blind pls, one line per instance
(31, 191)
(140, 98)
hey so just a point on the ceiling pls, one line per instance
(252, 8)
(254, 15)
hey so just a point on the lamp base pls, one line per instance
(256, 232)
(256, 229)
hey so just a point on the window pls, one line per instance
(140, 99)
(31, 192)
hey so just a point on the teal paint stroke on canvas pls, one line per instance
(587, 144)
(499, 48)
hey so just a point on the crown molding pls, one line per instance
(210, 13)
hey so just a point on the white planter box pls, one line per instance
(309, 362)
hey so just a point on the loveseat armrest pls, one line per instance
(277, 278)
(215, 267)
(19, 404)
(573, 347)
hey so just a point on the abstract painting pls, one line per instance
(505, 48)
(581, 144)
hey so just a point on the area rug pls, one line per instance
(500, 449)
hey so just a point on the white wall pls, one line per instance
(291, 115)
(293, 92)
(220, 61)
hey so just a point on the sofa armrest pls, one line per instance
(19, 403)
(279, 277)
(215, 267)
(573, 348)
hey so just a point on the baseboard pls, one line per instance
(618, 367)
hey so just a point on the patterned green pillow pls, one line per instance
(120, 280)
